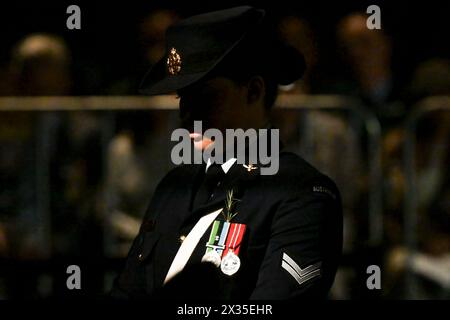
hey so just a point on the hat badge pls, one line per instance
(174, 62)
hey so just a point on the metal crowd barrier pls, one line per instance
(71, 103)
(411, 206)
(373, 129)
(301, 102)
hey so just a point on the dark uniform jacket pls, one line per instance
(294, 229)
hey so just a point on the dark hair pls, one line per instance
(243, 74)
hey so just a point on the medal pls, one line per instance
(213, 257)
(222, 248)
(216, 243)
(230, 264)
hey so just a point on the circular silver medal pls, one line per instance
(230, 264)
(213, 257)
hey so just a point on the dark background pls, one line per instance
(108, 40)
(109, 50)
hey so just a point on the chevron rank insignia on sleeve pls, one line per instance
(300, 275)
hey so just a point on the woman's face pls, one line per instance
(218, 102)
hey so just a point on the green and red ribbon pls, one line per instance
(225, 237)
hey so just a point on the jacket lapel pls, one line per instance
(234, 180)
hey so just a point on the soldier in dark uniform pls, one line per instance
(226, 231)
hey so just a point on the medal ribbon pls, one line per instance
(223, 236)
(234, 239)
(215, 241)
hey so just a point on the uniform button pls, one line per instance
(182, 237)
(140, 256)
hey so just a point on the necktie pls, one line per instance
(213, 176)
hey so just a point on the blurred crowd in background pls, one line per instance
(99, 187)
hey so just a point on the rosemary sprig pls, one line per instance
(230, 202)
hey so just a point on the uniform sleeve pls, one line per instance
(126, 285)
(304, 247)
(132, 281)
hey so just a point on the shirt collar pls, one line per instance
(226, 166)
